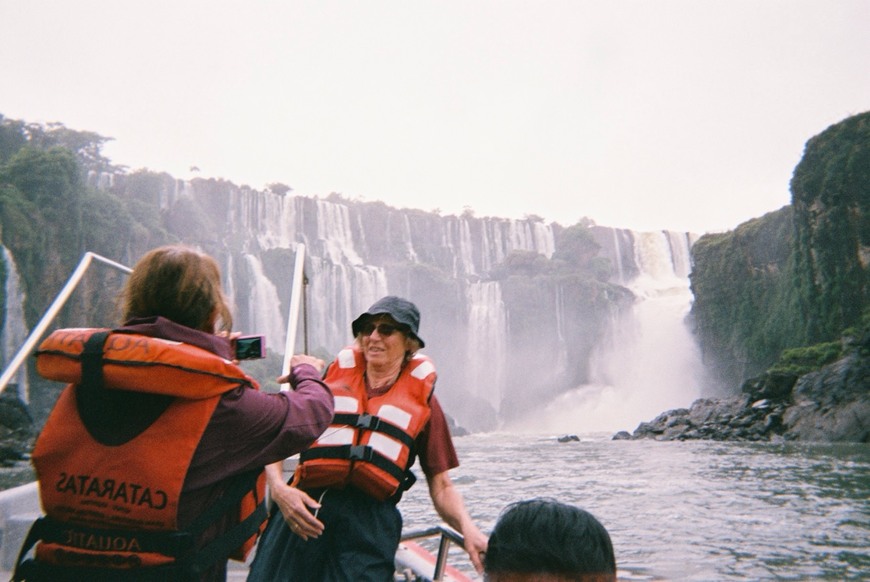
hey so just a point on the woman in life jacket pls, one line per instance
(338, 519)
(151, 463)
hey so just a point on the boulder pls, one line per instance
(831, 404)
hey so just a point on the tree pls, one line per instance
(576, 246)
(12, 137)
(279, 188)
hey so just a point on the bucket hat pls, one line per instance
(401, 310)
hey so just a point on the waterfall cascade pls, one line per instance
(487, 335)
(510, 326)
(264, 306)
(649, 361)
(14, 331)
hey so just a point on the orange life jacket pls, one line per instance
(370, 443)
(116, 505)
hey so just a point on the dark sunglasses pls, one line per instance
(384, 329)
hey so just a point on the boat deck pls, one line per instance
(19, 508)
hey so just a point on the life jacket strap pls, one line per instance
(92, 360)
(178, 545)
(33, 571)
(355, 453)
(232, 539)
(374, 423)
(173, 544)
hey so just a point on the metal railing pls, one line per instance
(448, 535)
(53, 309)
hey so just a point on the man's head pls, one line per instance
(543, 540)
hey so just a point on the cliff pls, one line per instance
(782, 309)
(819, 394)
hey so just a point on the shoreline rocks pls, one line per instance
(831, 404)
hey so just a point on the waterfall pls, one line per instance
(650, 361)
(406, 237)
(487, 341)
(450, 267)
(562, 356)
(272, 220)
(334, 233)
(680, 246)
(337, 295)
(620, 269)
(264, 307)
(14, 332)
(464, 248)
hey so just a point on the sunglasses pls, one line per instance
(384, 329)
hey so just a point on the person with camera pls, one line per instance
(151, 463)
(338, 518)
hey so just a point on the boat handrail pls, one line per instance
(52, 311)
(448, 535)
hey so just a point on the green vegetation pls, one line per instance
(799, 361)
(831, 196)
(795, 277)
(49, 216)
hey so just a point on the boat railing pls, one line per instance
(53, 309)
(447, 535)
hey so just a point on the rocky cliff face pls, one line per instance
(796, 278)
(739, 281)
(831, 200)
(831, 404)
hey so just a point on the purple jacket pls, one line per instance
(248, 430)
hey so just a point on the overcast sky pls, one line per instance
(648, 114)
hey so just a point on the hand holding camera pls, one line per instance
(250, 347)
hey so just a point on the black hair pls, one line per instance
(547, 536)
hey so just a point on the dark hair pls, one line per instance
(178, 283)
(546, 536)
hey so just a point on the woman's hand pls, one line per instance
(230, 336)
(299, 359)
(450, 506)
(475, 544)
(296, 506)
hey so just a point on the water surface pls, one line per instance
(683, 510)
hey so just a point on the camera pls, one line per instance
(250, 347)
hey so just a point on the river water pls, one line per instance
(682, 510)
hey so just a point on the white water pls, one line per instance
(335, 234)
(343, 292)
(264, 311)
(487, 339)
(15, 330)
(649, 362)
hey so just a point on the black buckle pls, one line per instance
(367, 421)
(360, 453)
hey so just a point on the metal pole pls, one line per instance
(441, 562)
(52, 311)
(293, 315)
(305, 314)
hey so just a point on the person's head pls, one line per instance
(178, 283)
(548, 541)
(387, 331)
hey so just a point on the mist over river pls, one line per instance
(695, 510)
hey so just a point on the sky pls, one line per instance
(685, 115)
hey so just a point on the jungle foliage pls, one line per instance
(796, 277)
(49, 216)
